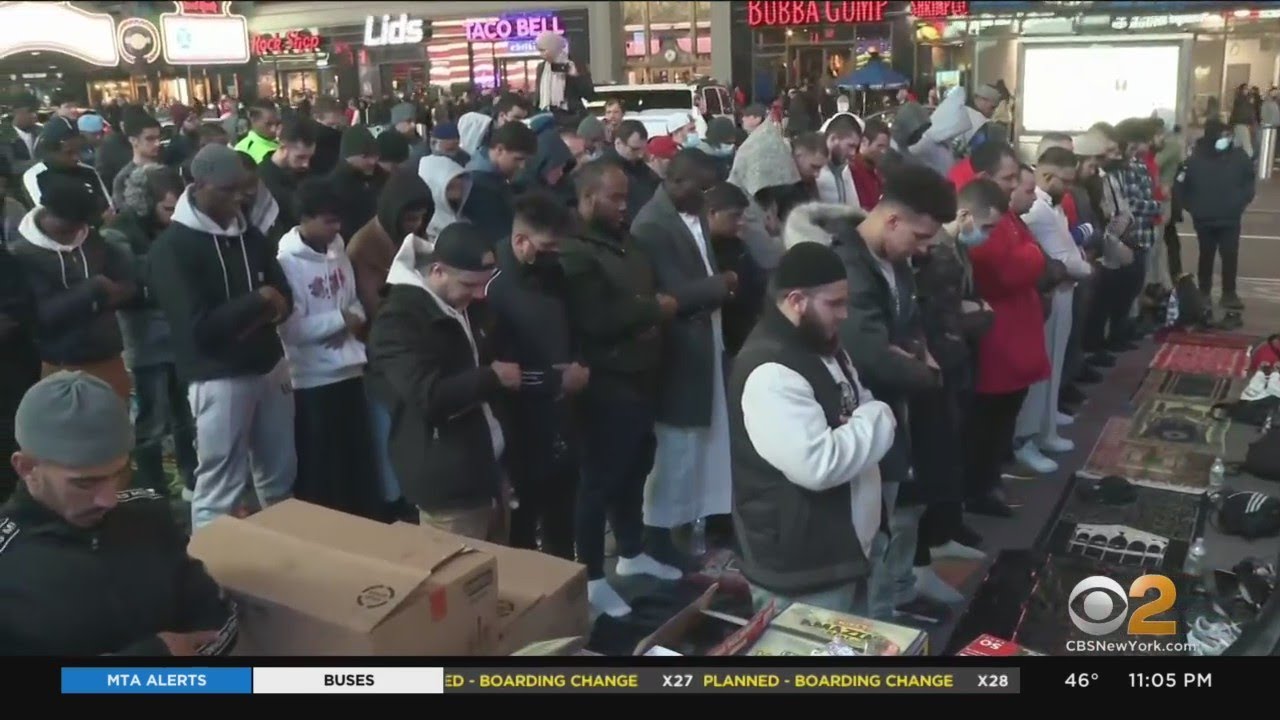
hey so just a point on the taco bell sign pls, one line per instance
(513, 27)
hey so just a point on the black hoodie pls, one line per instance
(1218, 184)
(328, 141)
(360, 195)
(206, 280)
(282, 183)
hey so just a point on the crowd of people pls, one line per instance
(536, 328)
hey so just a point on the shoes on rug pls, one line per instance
(1064, 420)
(1231, 301)
(645, 565)
(1056, 444)
(603, 598)
(1015, 470)
(932, 587)
(1071, 395)
(952, 550)
(1030, 456)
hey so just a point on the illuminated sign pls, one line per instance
(139, 41)
(939, 10)
(60, 28)
(512, 27)
(763, 13)
(204, 33)
(400, 31)
(293, 42)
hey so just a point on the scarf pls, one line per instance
(551, 89)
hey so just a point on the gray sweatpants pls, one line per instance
(244, 428)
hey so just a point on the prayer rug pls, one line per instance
(1168, 514)
(1180, 424)
(1047, 624)
(1162, 466)
(1203, 389)
(1202, 360)
(1210, 338)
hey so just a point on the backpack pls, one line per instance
(1186, 306)
(1262, 459)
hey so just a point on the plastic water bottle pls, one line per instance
(1217, 475)
(698, 538)
(1195, 558)
(1171, 310)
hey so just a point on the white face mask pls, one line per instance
(1221, 144)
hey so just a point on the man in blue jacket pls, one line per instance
(492, 172)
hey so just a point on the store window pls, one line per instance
(667, 41)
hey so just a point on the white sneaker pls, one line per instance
(954, 550)
(1064, 420)
(1056, 444)
(645, 565)
(935, 588)
(1260, 385)
(187, 495)
(603, 598)
(1029, 455)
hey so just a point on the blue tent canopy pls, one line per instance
(875, 75)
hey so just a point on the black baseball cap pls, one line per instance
(462, 246)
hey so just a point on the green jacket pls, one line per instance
(256, 146)
(612, 305)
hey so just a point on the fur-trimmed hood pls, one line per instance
(819, 222)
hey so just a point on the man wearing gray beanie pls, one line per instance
(217, 280)
(86, 566)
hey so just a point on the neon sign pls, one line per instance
(398, 31)
(782, 13)
(512, 27)
(293, 42)
(60, 28)
(204, 33)
(939, 10)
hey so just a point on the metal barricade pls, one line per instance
(1267, 151)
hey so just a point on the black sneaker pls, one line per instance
(1088, 376)
(1071, 395)
(1231, 301)
(967, 536)
(1102, 359)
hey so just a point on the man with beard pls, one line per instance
(811, 156)
(807, 438)
(330, 121)
(885, 338)
(289, 165)
(835, 181)
(532, 330)
(615, 311)
(691, 479)
(630, 149)
(865, 166)
(86, 566)
(1038, 420)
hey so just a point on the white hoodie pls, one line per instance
(437, 171)
(404, 271)
(323, 285)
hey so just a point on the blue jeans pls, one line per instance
(380, 428)
(159, 409)
(893, 580)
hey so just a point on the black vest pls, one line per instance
(794, 541)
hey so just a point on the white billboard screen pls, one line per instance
(1069, 89)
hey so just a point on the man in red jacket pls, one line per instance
(1011, 355)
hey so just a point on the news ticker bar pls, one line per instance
(438, 680)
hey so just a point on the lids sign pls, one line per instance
(294, 42)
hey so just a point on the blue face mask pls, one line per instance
(691, 140)
(1221, 144)
(973, 237)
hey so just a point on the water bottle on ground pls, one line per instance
(698, 538)
(1217, 475)
(1195, 564)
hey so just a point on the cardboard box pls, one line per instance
(835, 633)
(313, 581)
(696, 627)
(991, 646)
(540, 596)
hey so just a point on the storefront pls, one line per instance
(191, 53)
(781, 45)
(293, 64)
(667, 42)
(1126, 58)
(399, 47)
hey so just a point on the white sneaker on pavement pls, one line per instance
(1029, 455)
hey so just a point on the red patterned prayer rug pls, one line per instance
(1204, 389)
(1211, 338)
(1202, 360)
(1167, 466)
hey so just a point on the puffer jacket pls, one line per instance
(143, 325)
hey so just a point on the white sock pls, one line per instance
(933, 587)
(642, 564)
(604, 598)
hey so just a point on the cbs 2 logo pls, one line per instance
(1102, 597)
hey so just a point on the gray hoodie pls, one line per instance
(763, 161)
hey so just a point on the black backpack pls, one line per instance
(1262, 459)
(1193, 311)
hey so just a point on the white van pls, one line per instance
(662, 106)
